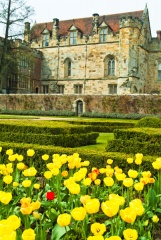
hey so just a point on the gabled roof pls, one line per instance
(84, 24)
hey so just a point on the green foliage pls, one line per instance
(67, 140)
(151, 122)
(134, 146)
(38, 112)
(135, 116)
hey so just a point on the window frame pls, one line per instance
(45, 89)
(45, 42)
(103, 34)
(61, 88)
(73, 38)
(159, 71)
(111, 66)
(67, 68)
(112, 89)
(78, 88)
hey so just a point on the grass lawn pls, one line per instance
(101, 142)
(2, 116)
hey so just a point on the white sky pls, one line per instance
(46, 10)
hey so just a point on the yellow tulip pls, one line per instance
(64, 219)
(132, 173)
(130, 160)
(110, 208)
(55, 171)
(7, 179)
(155, 219)
(97, 181)
(113, 238)
(30, 152)
(95, 237)
(74, 188)
(5, 197)
(84, 199)
(130, 234)
(36, 215)
(116, 198)
(92, 205)
(14, 222)
(45, 157)
(87, 181)
(15, 184)
(128, 215)
(48, 174)
(136, 204)
(26, 183)
(146, 174)
(36, 185)
(120, 176)
(128, 182)
(12, 158)
(9, 152)
(98, 229)
(78, 213)
(35, 205)
(20, 158)
(30, 172)
(109, 161)
(139, 186)
(85, 163)
(28, 234)
(64, 174)
(21, 166)
(109, 182)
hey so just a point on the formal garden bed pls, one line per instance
(67, 199)
(52, 192)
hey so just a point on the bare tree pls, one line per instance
(13, 15)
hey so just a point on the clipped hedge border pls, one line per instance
(42, 127)
(134, 146)
(150, 135)
(67, 140)
(97, 159)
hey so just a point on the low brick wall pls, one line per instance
(149, 104)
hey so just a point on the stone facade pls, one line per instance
(112, 54)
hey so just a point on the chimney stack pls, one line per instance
(27, 32)
(159, 35)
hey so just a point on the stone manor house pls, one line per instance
(98, 55)
(110, 54)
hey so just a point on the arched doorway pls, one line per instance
(79, 107)
(36, 90)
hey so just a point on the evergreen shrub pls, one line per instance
(151, 122)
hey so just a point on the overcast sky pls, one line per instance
(46, 10)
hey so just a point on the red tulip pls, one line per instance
(50, 195)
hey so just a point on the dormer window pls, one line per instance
(45, 41)
(103, 34)
(73, 38)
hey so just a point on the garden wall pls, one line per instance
(148, 104)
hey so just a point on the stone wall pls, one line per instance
(149, 104)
